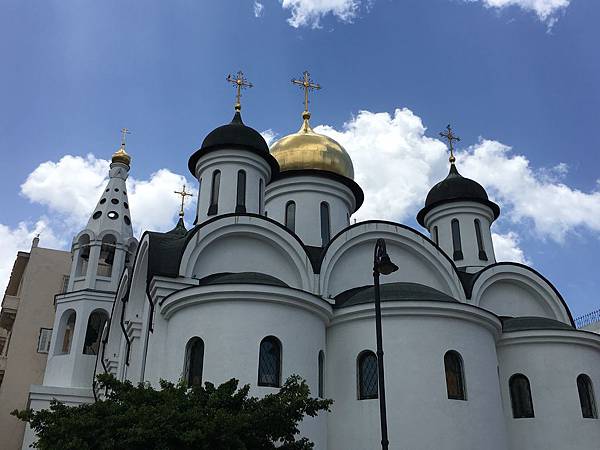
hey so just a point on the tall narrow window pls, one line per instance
(107, 256)
(325, 224)
(269, 362)
(482, 254)
(436, 235)
(321, 374)
(214, 193)
(455, 376)
(83, 256)
(586, 397)
(261, 196)
(240, 206)
(67, 327)
(194, 361)
(458, 254)
(520, 396)
(290, 215)
(367, 375)
(93, 334)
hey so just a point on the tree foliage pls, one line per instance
(176, 417)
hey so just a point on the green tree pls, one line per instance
(176, 417)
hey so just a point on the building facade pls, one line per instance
(274, 280)
(26, 321)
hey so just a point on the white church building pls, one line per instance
(273, 279)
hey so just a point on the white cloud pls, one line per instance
(19, 238)
(269, 136)
(258, 9)
(506, 248)
(546, 10)
(310, 12)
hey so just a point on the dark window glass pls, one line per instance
(520, 396)
(586, 397)
(482, 254)
(321, 373)
(436, 235)
(455, 376)
(93, 334)
(260, 196)
(458, 255)
(325, 224)
(367, 375)
(269, 362)
(290, 215)
(107, 256)
(240, 206)
(194, 361)
(214, 193)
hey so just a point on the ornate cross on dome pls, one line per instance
(451, 137)
(183, 195)
(240, 83)
(308, 85)
(124, 133)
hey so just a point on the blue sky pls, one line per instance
(519, 85)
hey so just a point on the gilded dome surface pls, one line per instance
(121, 156)
(309, 150)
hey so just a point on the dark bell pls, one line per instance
(386, 266)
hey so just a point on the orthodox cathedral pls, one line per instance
(274, 279)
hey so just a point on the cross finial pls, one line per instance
(451, 137)
(124, 133)
(183, 195)
(240, 83)
(308, 85)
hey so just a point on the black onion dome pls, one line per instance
(234, 135)
(455, 188)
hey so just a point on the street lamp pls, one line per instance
(381, 265)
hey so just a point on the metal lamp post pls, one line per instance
(381, 265)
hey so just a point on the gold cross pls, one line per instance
(451, 137)
(240, 83)
(124, 132)
(308, 85)
(183, 195)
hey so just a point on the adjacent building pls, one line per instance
(26, 321)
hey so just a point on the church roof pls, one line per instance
(453, 188)
(399, 291)
(165, 250)
(532, 323)
(242, 278)
(234, 135)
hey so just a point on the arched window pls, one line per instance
(290, 215)
(261, 196)
(436, 235)
(325, 224)
(107, 256)
(586, 397)
(269, 362)
(455, 376)
(240, 206)
(520, 396)
(367, 375)
(93, 334)
(321, 374)
(458, 254)
(482, 254)
(65, 332)
(214, 193)
(194, 361)
(83, 256)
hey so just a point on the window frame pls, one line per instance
(325, 215)
(589, 393)
(240, 196)
(479, 237)
(321, 374)
(215, 189)
(518, 410)
(49, 340)
(461, 384)
(187, 366)
(290, 219)
(278, 366)
(456, 240)
(362, 394)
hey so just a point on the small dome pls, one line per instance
(233, 135)
(121, 156)
(455, 187)
(309, 150)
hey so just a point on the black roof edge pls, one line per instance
(490, 204)
(359, 195)
(469, 287)
(203, 151)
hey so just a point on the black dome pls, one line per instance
(453, 188)
(234, 135)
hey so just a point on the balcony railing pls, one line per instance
(588, 319)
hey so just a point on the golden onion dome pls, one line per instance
(309, 150)
(121, 156)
